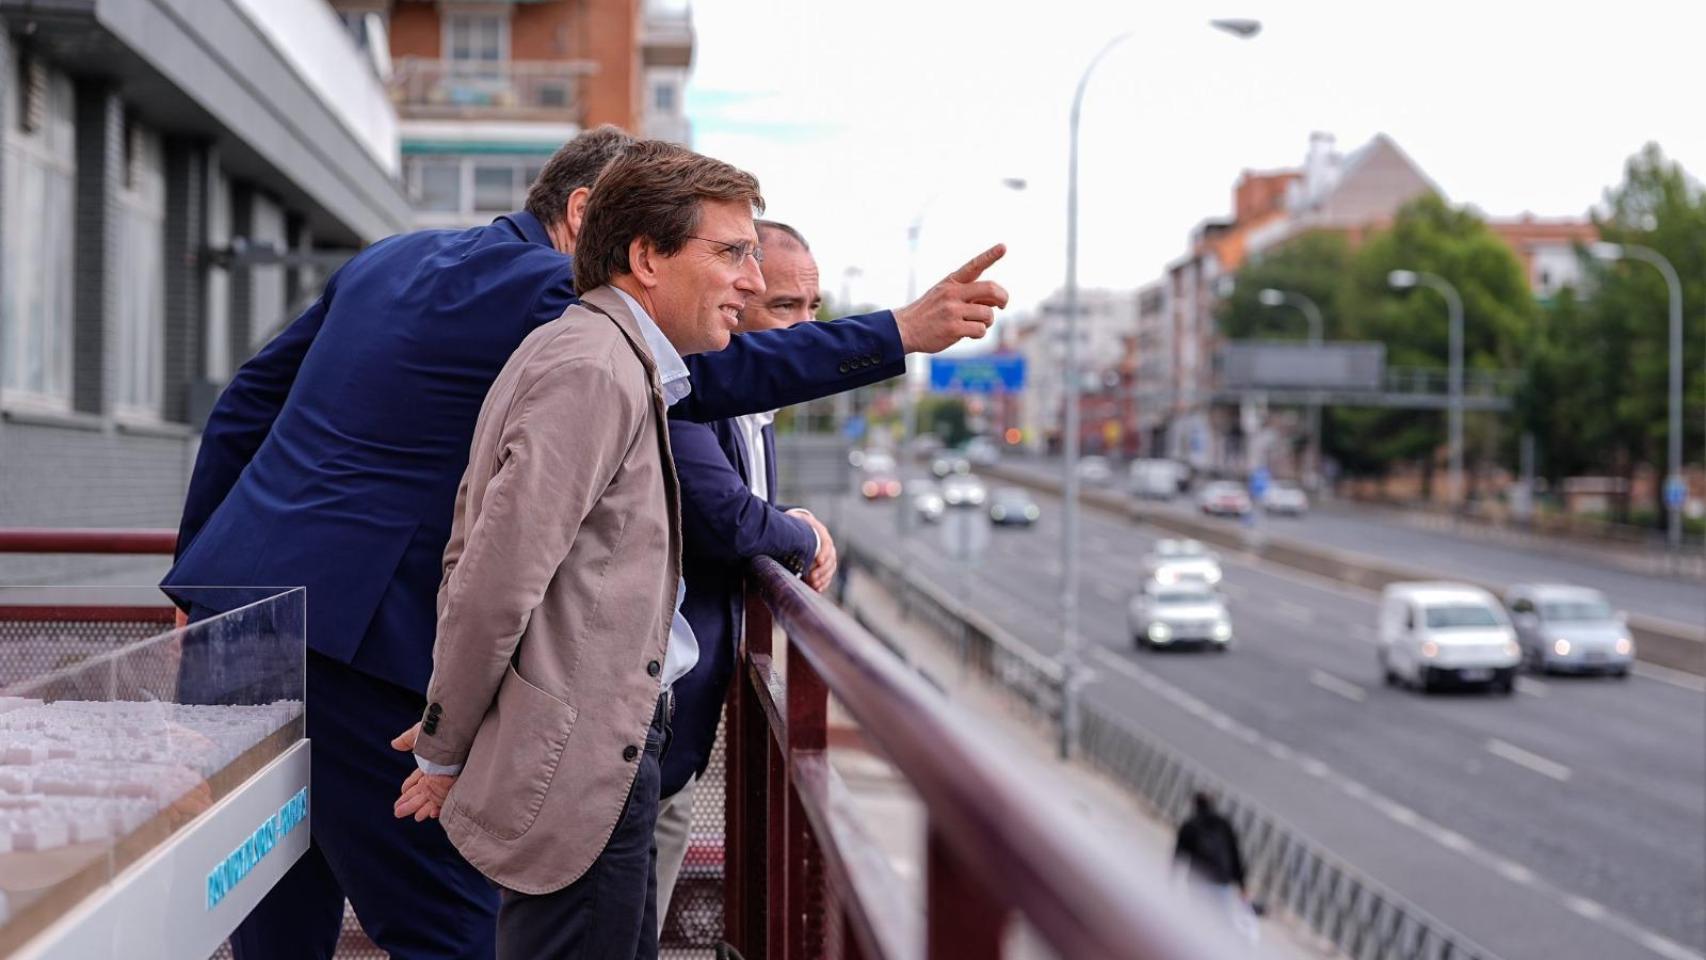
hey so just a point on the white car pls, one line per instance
(1155, 479)
(982, 451)
(1095, 470)
(1187, 614)
(1431, 634)
(1223, 498)
(877, 461)
(927, 500)
(1283, 499)
(963, 490)
(1570, 629)
(1182, 561)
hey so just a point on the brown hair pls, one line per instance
(653, 190)
(576, 164)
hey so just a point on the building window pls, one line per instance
(438, 186)
(495, 188)
(476, 40)
(35, 239)
(141, 329)
(663, 97)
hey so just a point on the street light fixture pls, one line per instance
(1071, 386)
(1408, 279)
(1272, 297)
(1673, 482)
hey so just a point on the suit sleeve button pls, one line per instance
(843, 367)
(630, 752)
(654, 668)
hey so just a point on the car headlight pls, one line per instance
(1223, 631)
(999, 513)
(1624, 646)
(1511, 649)
(1160, 632)
(1561, 647)
(1213, 575)
(1430, 649)
(1166, 576)
(1031, 513)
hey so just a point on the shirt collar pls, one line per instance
(528, 226)
(672, 370)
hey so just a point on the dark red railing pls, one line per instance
(73, 540)
(804, 878)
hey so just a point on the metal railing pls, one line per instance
(425, 88)
(1354, 913)
(806, 880)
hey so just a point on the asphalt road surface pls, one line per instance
(1568, 821)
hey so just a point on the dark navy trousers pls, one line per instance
(413, 893)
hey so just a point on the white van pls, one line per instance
(1432, 634)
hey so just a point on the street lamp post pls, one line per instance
(1631, 251)
(1070, 389)
(1312, 313)
(1404, 280)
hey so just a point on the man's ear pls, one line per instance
(644, 261)
(576, 210)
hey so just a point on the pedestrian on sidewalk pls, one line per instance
(1207, 849)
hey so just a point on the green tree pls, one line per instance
(1499, 312)
(1313, 265)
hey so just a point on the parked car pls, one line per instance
(1013, 507)
(1284, 499)
(1181, 561)
(1431, 634)
(1155, 479)
(982, 451)
(927, 500)
(1094, 469)
(945, 465)
(880, 486)
(963, 490)
(1223, 498)
(1569, 629)
(1185, 614)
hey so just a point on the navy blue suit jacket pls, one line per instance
(724, 525)
(332, 458)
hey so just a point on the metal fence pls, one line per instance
(1288, 872)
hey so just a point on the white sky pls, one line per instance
(853, 115)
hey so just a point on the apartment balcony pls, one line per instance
(542, 90)
(668, 35)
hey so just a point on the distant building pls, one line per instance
(173, 189)
(487, 91)
(1106, 319)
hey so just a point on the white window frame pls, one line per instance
(466, 211)
(139, 337)
(49, 153)
(454, 16)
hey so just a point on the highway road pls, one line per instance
(1565, 822)
(1676, 600)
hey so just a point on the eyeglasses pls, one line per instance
(737, 252)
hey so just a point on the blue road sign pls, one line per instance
(1259, 480)
(1676, 492)
(854, 428)
(991, 373)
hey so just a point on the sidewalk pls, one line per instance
(894, 819)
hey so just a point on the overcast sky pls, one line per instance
(854, 116)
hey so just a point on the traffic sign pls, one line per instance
(1260, 478)
(854, 428)
(1676, 492)
(990, 373)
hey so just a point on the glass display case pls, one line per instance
(153, 778)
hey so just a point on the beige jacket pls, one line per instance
(554, 612)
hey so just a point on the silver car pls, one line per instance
(1184, 614)
(1569, 629)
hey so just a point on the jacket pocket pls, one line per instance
(514, 757)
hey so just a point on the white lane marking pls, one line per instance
(1533, 688)
(1515, 871)
(1584, 907)
(1342, 687)
(1453, 840)
(1295, 611)
(1675, 678)
(1532, 761)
